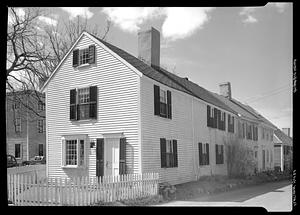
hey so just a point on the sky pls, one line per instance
(252, 47)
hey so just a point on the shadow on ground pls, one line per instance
(242, 194)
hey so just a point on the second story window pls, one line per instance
(230, 123)
(16, 105)
(162, 102)
(41, 126)
(83, 103)
(41, 106)
(84, 56)
(18, 122)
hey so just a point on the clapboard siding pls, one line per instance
(117, 108)
(187, 126)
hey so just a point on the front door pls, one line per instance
(112, 149)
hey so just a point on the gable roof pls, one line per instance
(283, 137)
(163, 76)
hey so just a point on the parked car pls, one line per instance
(35, 160)
(11, 161)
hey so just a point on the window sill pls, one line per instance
(83, 65)
(84, 120)
(73, 167)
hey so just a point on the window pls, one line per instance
(41, 150)
(162, 102)
(18, 125)
(263, 133)
(41, 106)
(267, 155)
(84, 56)
(74, 151)
(203, 154)
(83, 103)
(168, 153)
(255, 154)
(219, 154)
(17, 150)
(16, 105)
(41, 126)
(244, 130)
(271, 135)
(230, 123)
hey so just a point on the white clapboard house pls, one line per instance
(110, 113)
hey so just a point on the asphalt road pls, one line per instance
(274, 196)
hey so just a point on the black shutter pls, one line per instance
(163, 152)
(232, 124)
(229, 122)
(207, 153)
(122, 160)
(217, 156)
(73, 104)
(208, 116)
(75, 57)
(224, 122)
(92, 49)
(100, 157)
(215, 117)
(93, 102)
(169, 104)
(222, 154)
(156, 100)
(200, 153)
(219, 119)
(175, 153)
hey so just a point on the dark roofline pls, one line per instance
(164, 72)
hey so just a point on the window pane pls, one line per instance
(18, 150)
(163, 97)
(83, 56)
(71, 152)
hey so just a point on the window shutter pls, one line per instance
(75, 57)
(73, 104)
(92, 56)
(222, 154)
(156, 100)
(163, 152)
(63, 152)
(217, 155)
(224, 122)
(229, 122)
(215, 118)
(175, 153)
(232, 124)
(93, 102)
(219, 119)
(207, 153)
(100, 157)
(200, 153)
(169, 104)
(122, 160)
(208, 116)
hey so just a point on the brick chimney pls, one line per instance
(149, 46)
(225, 89)
(286, 131)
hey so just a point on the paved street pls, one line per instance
(274, 196)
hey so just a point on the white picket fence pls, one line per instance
(28, 190)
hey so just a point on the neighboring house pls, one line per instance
(283, 144)
(110, 113)
(253, 131)
(25, 131)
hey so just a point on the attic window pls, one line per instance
(84, 56)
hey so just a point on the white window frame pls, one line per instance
(82, 54)
(66, 138)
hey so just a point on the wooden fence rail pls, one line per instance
(27, 190)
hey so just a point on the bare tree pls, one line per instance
(34, 51)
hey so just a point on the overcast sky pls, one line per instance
(249, 47)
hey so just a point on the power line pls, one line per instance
(268, 92)
(269, 95)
